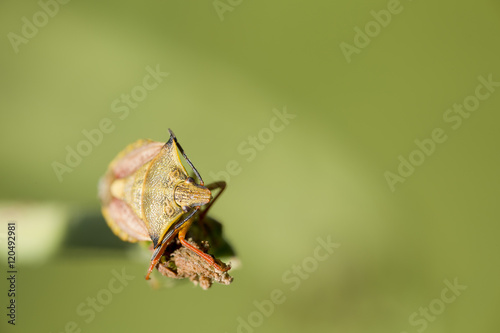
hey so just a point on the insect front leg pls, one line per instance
(160, 249)
(158, 253)
(207, 257)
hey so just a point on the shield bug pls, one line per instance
(147, 195)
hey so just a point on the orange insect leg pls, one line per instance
(208, 258)
(159, 253)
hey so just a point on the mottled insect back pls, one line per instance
(145, 192)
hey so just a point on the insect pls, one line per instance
(147, 195)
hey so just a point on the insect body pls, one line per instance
(147, 195)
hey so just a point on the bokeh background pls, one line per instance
(230, 64)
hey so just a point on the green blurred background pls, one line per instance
(230, 64)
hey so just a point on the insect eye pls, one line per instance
(189, 180)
